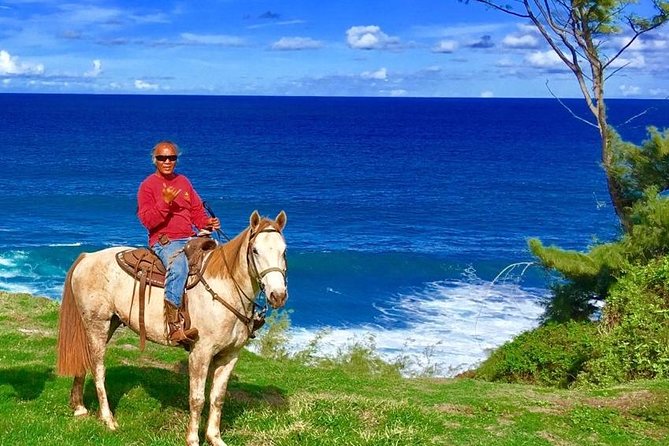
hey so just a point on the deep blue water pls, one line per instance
(401, 211)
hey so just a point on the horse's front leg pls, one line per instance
(198, 367)
(222, 371)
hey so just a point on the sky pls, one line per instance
(413, 48)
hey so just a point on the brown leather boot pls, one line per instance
(179, 331)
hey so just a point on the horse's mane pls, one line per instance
(224, 258)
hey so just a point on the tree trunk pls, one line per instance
(613, 185)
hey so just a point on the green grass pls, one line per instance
(285, 403)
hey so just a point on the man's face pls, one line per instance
(166, 159)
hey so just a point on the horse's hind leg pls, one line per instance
(77, 392)
(98, 333)
(77, 396)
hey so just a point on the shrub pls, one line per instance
(550, 355)
(361, 358)
(272, 340)
(634, 339)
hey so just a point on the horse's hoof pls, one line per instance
(112, 425)
(215, 441)
(80, 411)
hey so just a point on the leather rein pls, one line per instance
(257, 318)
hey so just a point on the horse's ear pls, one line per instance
(254, 220)
(281, 220)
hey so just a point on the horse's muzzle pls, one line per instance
(277, 299)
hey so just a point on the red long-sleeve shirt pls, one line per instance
(175, 220)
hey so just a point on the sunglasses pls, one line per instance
(163, 158)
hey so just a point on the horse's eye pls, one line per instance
(255, 250)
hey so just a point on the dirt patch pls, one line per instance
(553, 439)
(625, 402)
(559, 403)
(270, 397)
(37, 332)
(455, 409)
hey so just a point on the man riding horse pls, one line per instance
(170, 209)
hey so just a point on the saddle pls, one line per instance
(148, 270)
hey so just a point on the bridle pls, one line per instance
(257, 318)
(249, 254)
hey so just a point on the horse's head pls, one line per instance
(267, 251)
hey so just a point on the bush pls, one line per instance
(361, 358)
(634, 339)
(550, 355)
(272, 340)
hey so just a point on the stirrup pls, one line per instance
(179, 335)
(178, 324)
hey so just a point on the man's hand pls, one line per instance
(213, 223)
(170, 193)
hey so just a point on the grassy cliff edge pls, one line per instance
(285, 403)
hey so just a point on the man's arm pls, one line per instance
(151, 212)
(199, 215)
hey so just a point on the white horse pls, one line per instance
(98, 296)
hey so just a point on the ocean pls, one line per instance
(408, 218)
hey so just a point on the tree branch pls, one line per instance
(636, 116)
(569, 109)
(501, 8)
(616, 70)
(636, 34)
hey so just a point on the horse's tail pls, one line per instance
(74, 355)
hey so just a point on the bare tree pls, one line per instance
(577, 30)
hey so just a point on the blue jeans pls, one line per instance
(176, 265)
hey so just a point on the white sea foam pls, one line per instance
(15, 288)
(11, 263)
(8, 274)
(7, 261)
(15, 267)
(449, 326)
(65, 245)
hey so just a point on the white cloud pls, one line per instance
(380, 74)
(369, 38)
(457, 30)
(635, 61)
(296, 43)
(143, 85)
(642, 44)
(487, 94)
(630, 90)
(280, 23)
(398, 92)
(528, 28)
(505, 62)
(544, 59)
(11, 65)
(212, 39)
(663, 92)
(445, 46)
(524, 41)
(89, 14)
(97, 69)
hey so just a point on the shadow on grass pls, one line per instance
(28, 382)
(171, 389)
